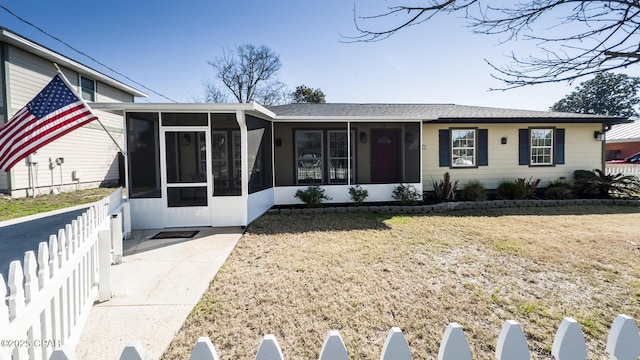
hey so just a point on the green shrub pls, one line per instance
(406, 194)
(558, 190)
(511, 190)
(313, 196)
(358, 194)
(598, 184)
(474, 191)
(445, 190)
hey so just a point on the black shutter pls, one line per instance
(444, 148)
(523, 146)
(559, 146)
(483, 147)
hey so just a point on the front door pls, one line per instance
(185, 177)
(385, 155)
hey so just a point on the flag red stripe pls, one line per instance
(27, 150)
(9, 129)
(24, 128)
(26, 139)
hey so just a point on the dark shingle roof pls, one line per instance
(429, 112)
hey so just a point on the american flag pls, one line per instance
(54, 112)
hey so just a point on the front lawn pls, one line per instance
(15, 208)
(298, 276)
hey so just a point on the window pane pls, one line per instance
(463, 147)
(309, 157)
(186, 157)
(339, 156)
(187, 196)
(144, 155)
(339, 170)
(225, 163)
(541, 146)
(184, 119)
(88, 87)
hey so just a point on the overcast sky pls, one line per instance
(166, 45)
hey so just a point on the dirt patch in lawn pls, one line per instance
(298, 276)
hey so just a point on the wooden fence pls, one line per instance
(569, 344)
(46, 300)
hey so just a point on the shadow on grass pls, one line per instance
(270, 224)
(546, 211)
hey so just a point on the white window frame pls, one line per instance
(460, 161)
(301, 158)
(349, 158)
(536, 149)
(83, 89)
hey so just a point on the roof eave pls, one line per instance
(23, 43)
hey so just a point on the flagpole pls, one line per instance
(64, 78)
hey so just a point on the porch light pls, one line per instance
(503, 141)
(598, 135)
(363, 137)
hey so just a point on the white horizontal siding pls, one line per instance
(4, 182)
(87, 150)
(582, 152)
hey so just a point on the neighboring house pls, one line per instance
(86, 157)
(622, 141)
(226, 164)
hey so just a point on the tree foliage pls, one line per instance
(249, 74)
(605, 94)
(304, 94)
(575, 38)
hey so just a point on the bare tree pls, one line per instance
(248, 72)
(575, 37)
(213, 94)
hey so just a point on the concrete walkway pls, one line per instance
(154, 289)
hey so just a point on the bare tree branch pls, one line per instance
(574, 38)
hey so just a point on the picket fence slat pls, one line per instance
(333, 347)
(134, 351)
(48, 296)
(624, 340)
(512, 344)
(454, 344)
(269, 349)
(569, 344)
(395, 346)
(204, 350)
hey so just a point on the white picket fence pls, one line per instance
(46, 301)
(569, 344)
(626, 169)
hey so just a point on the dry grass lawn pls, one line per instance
(298, 276)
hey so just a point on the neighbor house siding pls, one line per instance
(582, 152)
(89, 151)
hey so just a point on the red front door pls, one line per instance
(385, 155)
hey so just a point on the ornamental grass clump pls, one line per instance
(474, 191)
(445, 190)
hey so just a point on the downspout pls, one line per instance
(349, 155)
(4, 70)
(244, 157)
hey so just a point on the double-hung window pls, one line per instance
(309, 159)
(463, 147)
(541, 146)
(88, 88)
(340, 156)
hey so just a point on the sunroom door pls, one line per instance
(187, 182)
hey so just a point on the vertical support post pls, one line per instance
(116, 237)
(126, 219)
(104, 264)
